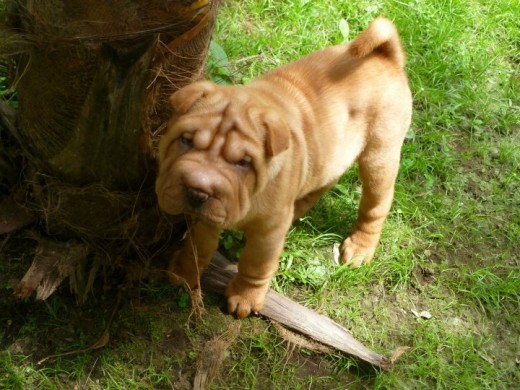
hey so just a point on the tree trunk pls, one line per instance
(93, 80)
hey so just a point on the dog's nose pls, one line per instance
(196, 198)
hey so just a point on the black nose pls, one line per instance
(196, 198)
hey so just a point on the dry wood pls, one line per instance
(296, 317)
(53, 262)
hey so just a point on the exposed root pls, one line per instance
(197, 305)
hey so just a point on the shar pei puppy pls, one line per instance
(258, 156)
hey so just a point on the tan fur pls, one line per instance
(256, 157)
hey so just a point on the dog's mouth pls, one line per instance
(204, 206)
(207, 215)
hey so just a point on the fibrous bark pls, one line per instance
(92, 80)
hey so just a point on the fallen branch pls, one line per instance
(296, 317)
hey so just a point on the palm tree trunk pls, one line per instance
(93, 80)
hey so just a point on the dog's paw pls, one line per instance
(359, 248)
(244, 298)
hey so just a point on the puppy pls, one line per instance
(257, 157)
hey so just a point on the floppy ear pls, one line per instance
(184, 99)
(277, 135)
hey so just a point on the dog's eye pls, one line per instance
(245, 163)
(187, 139)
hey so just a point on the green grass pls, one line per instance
(450, 245)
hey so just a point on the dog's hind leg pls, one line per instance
(378, 171)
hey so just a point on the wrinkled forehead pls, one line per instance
(221, 119)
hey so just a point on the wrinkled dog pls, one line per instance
(257, 157)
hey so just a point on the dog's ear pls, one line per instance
(184, 99)
(277, 135)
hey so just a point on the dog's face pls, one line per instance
(217, 153)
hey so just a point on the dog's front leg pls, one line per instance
(192, 259)
(258, 264)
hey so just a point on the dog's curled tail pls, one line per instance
(381, 36)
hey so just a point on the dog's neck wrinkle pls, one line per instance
(290, 100)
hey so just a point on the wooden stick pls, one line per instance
(295, 316)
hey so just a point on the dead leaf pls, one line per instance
(335, 253)
(423, 314)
